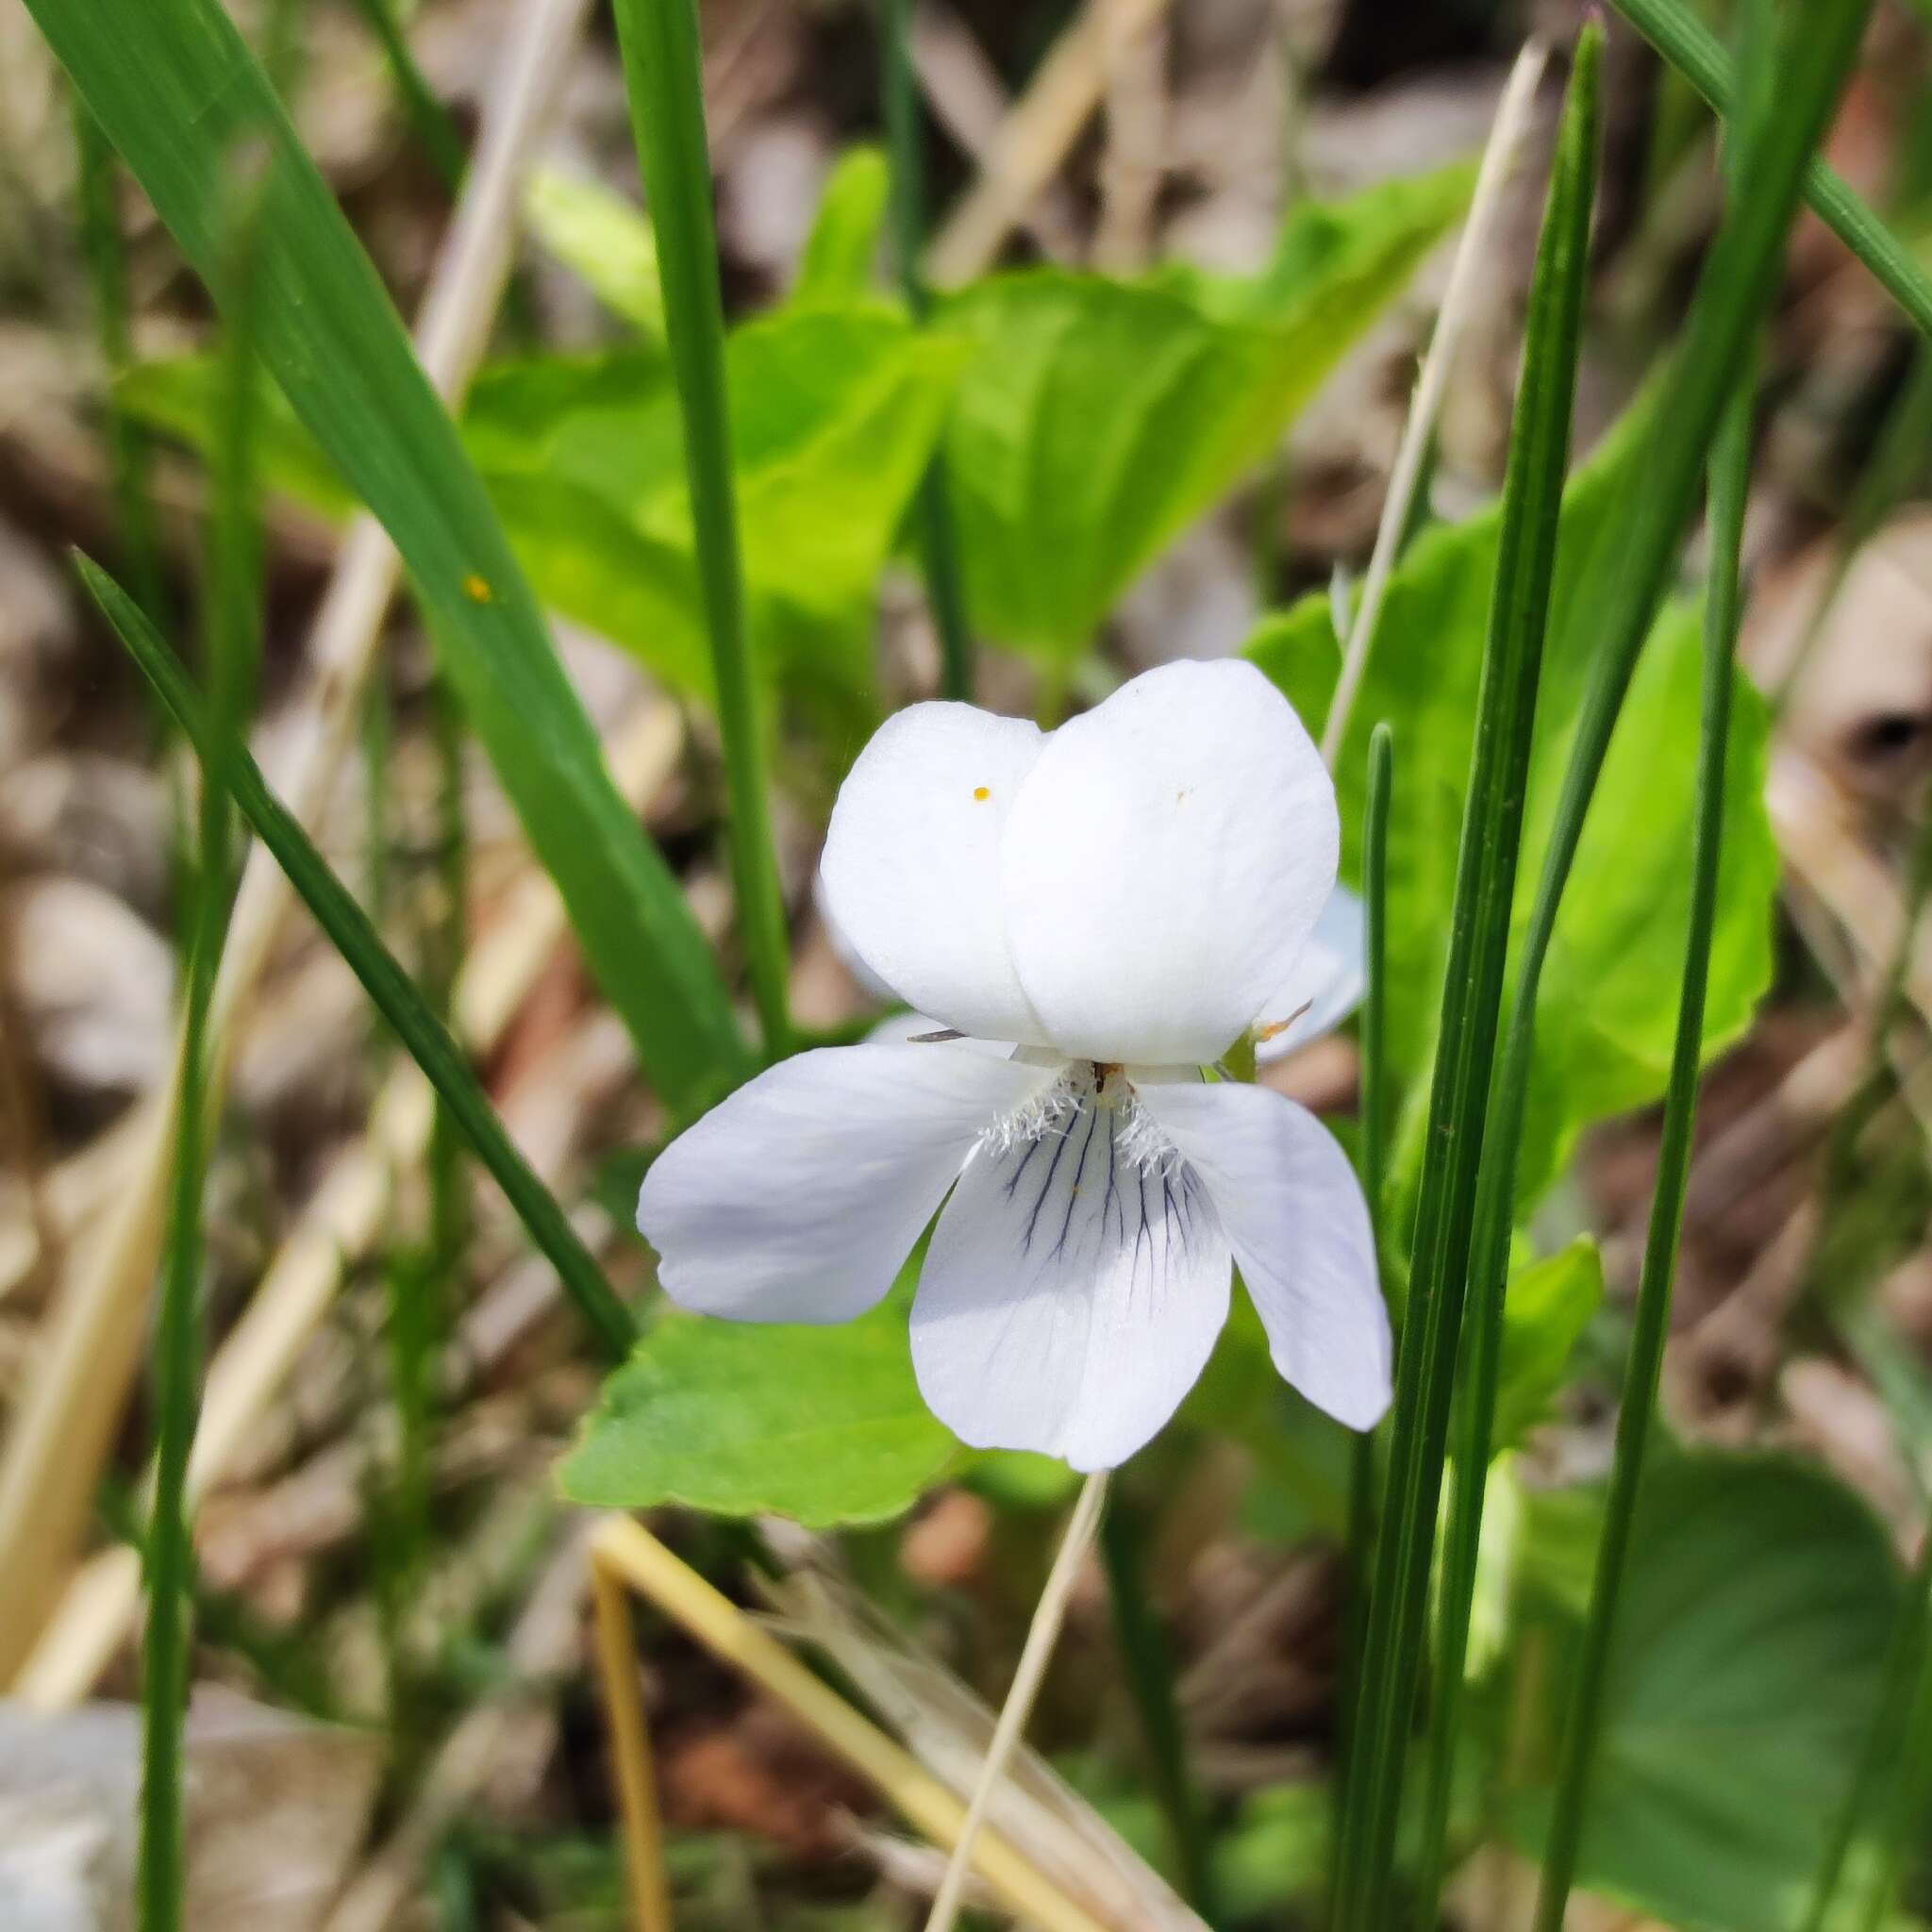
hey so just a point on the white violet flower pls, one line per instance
(1100, 913)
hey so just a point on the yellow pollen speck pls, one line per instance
(982, 793)
(478, 589)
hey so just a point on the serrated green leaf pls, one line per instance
(823, 1425)
(1746, 1667)
(1546, 1311)
(1603, 1036)
(1099, 418)
(175, 87)
(604, 238)
(841, 251)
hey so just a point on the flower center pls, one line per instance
(1089, 1095)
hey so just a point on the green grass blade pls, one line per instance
(1672, 28)
(1471, 1003)
(234, 579)
(939, 541)
(171, 82)
(1374, 1166)
(429, 120)
(1538, 461)
(1730, 483)
(663, 74)
(424, 1036)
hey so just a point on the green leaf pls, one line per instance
(823, 1425)
(604, 238)
(174, 85)
(843, 250)
(1099, 419)
(1603, 1037)
(1757, 1606)
(1548, 1306)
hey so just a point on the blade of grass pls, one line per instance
(1736, 288)
(170, 82)
(1374, 1165)
(1471, 1003)
(1149, 1661)
(1674, 30)
(938, 540)
(663, 72)
(1538, 457)
(429, 120)
(128, 449)
(232, 649)
(1730, 482)
(423, 1034)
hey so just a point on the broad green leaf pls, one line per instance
(843, 250)
(602, 237)
(1744, 1672)
(174, 87)
(1603, 1036)
(823, 1425)
(835, 415)
(1098, 419)
(1544, 1312)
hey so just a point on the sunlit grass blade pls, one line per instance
(234, 578)
(938, 540)
(663, 72)
(422, 1035)
(1472, 1002)
(429, 120)
(1360, 1556)
(105, 247)
(1533, 497)
(1673, 28)
(1730, 483)
(172, 83)
(1148, 1658)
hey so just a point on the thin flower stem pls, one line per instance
(1506, 136)
(1905, 1653)
(663, 72)
(1539, 448)
(1471, 1003)
(1149, 1659)
(1730, 481)
(1042, 1635)
(232, 635)
(939, 541)
(1374, 1165)
(422, 1035)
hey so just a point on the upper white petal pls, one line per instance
(1069, 1299)
(1167, 852)
(911, 863)
(1299, 1228)
(798, 1198)
(1329, 976)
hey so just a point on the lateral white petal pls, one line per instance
(1299, 1228)
(798, 1198)
(1329, 976)
(1167, 852)
(1069, 1299)
(911, 863)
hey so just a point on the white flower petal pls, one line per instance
(1329, 976)
(1069, 1299)
(911, 863)
(1168, 851)
(1299, 1228)
(798, 1198)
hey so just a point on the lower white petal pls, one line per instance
(1299, 1227)
(798, 1198)
(1075, 1287)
